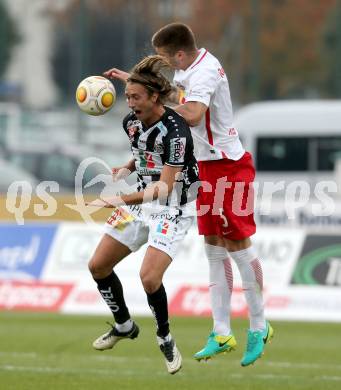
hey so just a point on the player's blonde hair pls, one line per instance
(148, 73)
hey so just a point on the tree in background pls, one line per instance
(94, 36)
(8, 37)
(292, 63)
(275, 42)
(331, 52)
(269, 48)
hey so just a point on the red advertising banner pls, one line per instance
(22, 295)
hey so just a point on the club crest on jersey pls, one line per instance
(221, 72)
(133, 127)
(162, 227)
(158, 147)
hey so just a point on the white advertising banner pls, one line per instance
(306, 212)
(45, 267)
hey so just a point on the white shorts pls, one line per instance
(163, 230)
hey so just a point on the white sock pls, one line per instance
(125, 327)
(161, 340)
(252, 278)
(220, 287)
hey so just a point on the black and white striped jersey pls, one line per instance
(168, 141)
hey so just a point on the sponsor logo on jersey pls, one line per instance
(232, 131)
(177, 150)
(148, 172)
(119, 219)
(221, 72)
(146, 160)
(167, 216)
(135, 210)
(160, 243)
(162, 227)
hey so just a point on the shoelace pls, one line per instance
(252, 340)
(167, 350)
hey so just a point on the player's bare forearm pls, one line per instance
(124, 171)
(158, 190)
(192, 112)
(174, 96)
(130, 165)
(149, 194)
(117, 74)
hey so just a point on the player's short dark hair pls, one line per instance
(174, 37)
(148, 73)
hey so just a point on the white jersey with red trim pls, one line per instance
(205, 81)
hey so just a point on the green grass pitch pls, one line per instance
(54, 352)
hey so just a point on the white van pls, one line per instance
(295, 140)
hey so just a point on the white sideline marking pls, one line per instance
(285, 377)
(54, 370)
(20, 354)
(118, 359)
(112, 372)
(302, 365)
(121, 359)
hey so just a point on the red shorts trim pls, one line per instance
(225, 203)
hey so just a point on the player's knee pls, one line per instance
(214, 240)
(150, 283)
(96, 270)
(93, 268)
(237, 245)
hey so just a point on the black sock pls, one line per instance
(112, 292)
(158, 303)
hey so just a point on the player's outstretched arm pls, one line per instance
(124, 171)
(192, 112)
(174, 97)
(117, 74)
(157, 190)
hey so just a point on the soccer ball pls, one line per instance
(95, 95)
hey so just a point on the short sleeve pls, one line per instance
(203, 84)
(175, 147)
(125, 121)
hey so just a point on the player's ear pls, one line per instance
(180, 55)
(155, 97)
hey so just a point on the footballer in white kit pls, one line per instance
(218, 150)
